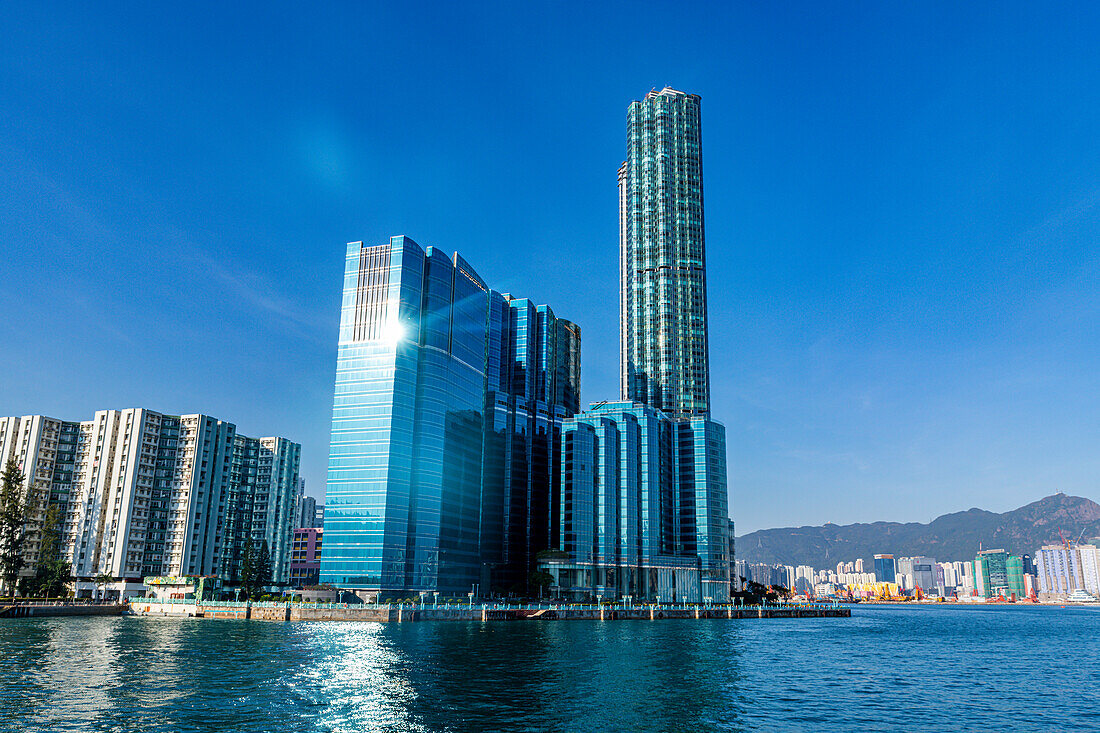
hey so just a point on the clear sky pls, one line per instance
(902, 218)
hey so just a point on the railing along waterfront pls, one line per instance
(66, 602)
(489, 606)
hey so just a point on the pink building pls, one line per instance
(305, 557)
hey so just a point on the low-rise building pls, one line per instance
(168, 587)
(305, 557)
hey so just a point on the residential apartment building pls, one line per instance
(45, 450)
(1089, 557)
(307, 512)
(664, 359)
(1061, 570)
(143, 493)
(263, 503)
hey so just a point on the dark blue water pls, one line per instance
(886, 668)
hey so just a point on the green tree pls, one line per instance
(248, 568)
(263, 567)
(754, 593)
(13, 521)
(101, 581)
(53, 571)
(540, 579)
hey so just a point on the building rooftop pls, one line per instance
(668, 92)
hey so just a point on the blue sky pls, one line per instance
(902, 216)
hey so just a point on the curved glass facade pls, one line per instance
(663, 284)
(643, 506)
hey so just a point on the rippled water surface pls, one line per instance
(886, 668)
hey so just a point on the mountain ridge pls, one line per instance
(948, 537)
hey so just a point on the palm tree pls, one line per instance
(101, 580)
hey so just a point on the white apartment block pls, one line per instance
(45, 449)
(149, 494)
(1059, 570)
(1089, 557)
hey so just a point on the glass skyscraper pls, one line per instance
(533, 384)
(998, 574)
(885, 570)
(447, 412)
(644, 494)
(663, 288)
(643, 507)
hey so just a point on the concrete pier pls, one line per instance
(406, 613)
(46, 608)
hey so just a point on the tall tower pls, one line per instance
(446, 423)
(663, 285)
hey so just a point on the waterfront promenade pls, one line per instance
(400, 613)
(28, 609)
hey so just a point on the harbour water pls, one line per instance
(1017, 668)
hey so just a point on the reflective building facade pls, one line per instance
(533, 384)
(643, 507)
(447, 412)
(885, 570)
(663, 287)
(644, 496)
(997, 573)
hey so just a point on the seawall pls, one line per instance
(26, 610)
(395, 613)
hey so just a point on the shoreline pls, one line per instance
(398, 613)
(974, 604)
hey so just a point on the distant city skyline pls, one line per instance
(902, 222)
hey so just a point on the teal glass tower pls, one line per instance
(644, 502)
(663, 283)
(448, 407)
(643, 507)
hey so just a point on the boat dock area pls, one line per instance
(401, 613)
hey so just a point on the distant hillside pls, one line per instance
(947, 538)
